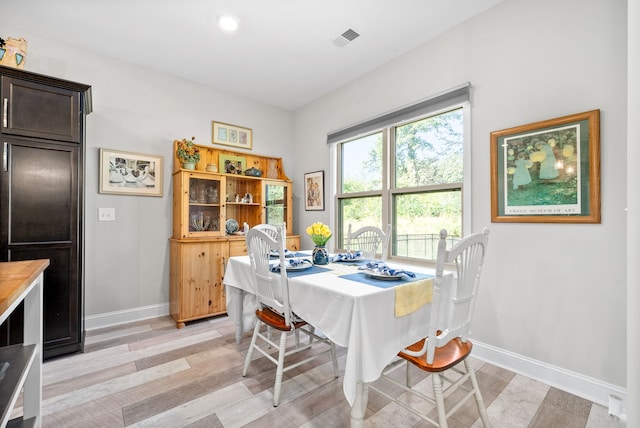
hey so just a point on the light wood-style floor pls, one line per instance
(150, 374)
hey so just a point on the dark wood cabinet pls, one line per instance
(41, 198)
(40, 110)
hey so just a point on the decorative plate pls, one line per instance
(382, 276)
(302, 266)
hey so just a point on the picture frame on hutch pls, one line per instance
(231, 135)
(314, 191)
(547, 171)
(129, 173)
(230, 164)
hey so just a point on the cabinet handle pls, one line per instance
(5, 156)
(5, 109)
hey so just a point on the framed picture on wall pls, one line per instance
(129, 173)
(548, 171)
(314, 191)
(232, 135)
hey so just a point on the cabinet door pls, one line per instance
(39, 217)
(197, 290)
(198, 206)
(277, 204)
(36, 110)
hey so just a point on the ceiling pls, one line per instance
(282, 53)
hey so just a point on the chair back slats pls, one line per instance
(271, 287)
(370, 240)
(452, 318)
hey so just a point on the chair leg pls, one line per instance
(278, 384)
(408, 381)
(437, 392)
(247, 359)
(477, 395)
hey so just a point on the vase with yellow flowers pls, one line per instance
(187, 152)
(320, 234)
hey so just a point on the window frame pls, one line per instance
(389, 189)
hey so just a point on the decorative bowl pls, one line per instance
(253, 172)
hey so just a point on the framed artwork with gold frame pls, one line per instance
(548, 171)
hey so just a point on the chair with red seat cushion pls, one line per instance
(275, 312)
(447, 345)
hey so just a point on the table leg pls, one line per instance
(359, 407)
(237, 303)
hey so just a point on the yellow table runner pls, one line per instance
(412, 296)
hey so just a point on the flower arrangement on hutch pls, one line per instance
(320, 234)
(187, 153)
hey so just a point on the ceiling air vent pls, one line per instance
(344, 38)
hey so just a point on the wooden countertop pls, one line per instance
(16, 277)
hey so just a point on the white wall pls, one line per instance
(633, 198)
(135, 109)
(551, 292)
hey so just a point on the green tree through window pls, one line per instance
(422, 193)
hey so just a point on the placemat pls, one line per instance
(381, 283)
(412, 296)
(313, 269)
(411, 293)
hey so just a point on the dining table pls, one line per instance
(373, 317)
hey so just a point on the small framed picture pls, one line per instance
(547, 172)
(129, 173)
(232, 135)
(314, 191)
(230, 164)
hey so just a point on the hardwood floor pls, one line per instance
(150, 374)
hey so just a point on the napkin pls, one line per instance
(290, 263)
(287, 253)
(343, 257)
(383, 269)
(412, 296)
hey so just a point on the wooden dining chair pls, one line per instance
(275, 312)
(448, 344)
(368, 240)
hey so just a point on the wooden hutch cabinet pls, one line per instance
(204, 203)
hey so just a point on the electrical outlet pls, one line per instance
(106, 214)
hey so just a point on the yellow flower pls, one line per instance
(319, 233)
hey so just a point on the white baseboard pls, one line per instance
(578, 384)
(583, 386)
(92, 322)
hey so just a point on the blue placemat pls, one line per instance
(381, 283)
(313, 269)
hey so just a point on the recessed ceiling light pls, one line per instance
(228, 23)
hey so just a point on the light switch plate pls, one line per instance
(106, 214)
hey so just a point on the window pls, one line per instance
(409, 174)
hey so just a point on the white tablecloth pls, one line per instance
(352, 314)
